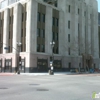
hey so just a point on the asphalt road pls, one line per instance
(54, 87)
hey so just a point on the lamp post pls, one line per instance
(18, 56)
(51, 63)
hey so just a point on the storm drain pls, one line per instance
(2, 88)
(42, 90)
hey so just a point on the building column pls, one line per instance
(6, 29)
(17, 26)
(48, 30)
(16, 30)
(74, 28)
(88, 31)
(63, 36)
(31, 31)
(82, 29)
(95, 35)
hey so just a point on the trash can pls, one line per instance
(51, 72)
(18, 72)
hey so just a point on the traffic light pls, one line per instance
(51, 58)
(19, 58)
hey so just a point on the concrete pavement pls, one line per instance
(49, 87)
(55, 73)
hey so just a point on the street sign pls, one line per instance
(6, 48)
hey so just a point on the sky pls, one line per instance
(98, 5)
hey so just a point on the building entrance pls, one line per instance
(1, 65)
(22, 66)
(8, 65)
(42, 65)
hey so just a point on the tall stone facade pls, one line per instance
(71, 24)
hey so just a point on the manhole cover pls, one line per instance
(33, 84)
(42, 90)
(3, 88)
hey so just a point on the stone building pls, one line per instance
(71, 24)
(99, 31)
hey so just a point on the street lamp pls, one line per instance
(18, 56)
(51, 63)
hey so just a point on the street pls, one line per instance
(46, 87)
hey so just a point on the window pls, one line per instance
(53, 35)
(69, 8)
(91, 16)
(79, 65)
(38, 32)
(21, 49)
(43, 33)
(39, 16)
(53, 50)
(1, 23)
(42, 48)
(56, 36)
(53, 21)
(78, 28)
(38, 47)
(78, 10)
(68, 37)
(84, 13)
(69, 51)
(68, 24)
(56, 21)
(10, 20)
(55, 4)
(57, 50)
(22, 17)
(43, 17)
(69, 65)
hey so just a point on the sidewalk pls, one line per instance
(55, 73)
(60, 73)
(7, 74)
